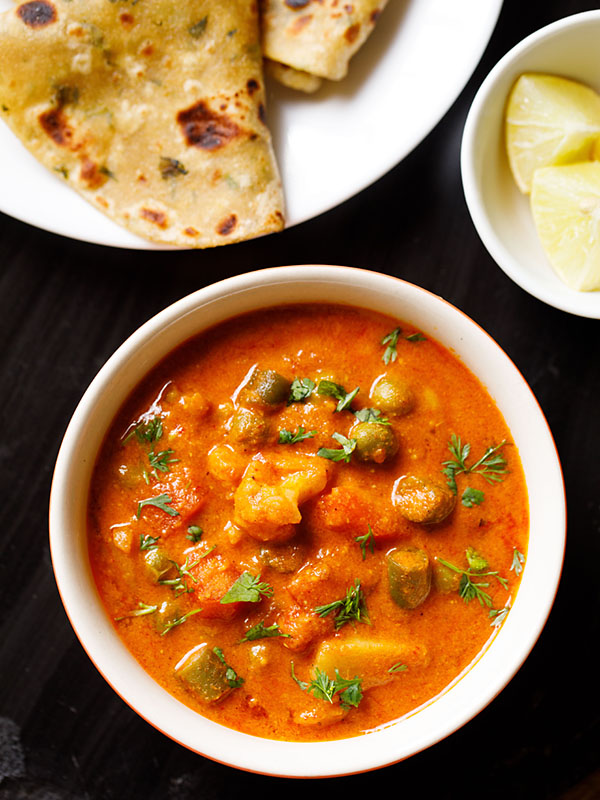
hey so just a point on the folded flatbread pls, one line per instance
(293, 78)
(317, 36)
(154, 110)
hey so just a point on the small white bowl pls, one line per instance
(488, 674)
(500, 212)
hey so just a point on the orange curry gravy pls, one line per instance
(282, 512)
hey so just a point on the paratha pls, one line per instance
(154, 110)
(317, 36)
(292, 78)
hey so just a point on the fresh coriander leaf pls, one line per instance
(457, 463)
(261, 631)
(287, 437)
(171, 168)
(231, 675)
(491, 466)
(350, 691)
(179, 584)
(148, 542)
(148, 431)
(160, 461)
(198, 28)
(194, 533)
(302, 684)
(498, 615)
(368, 540)
(398, 667)
(141, 611)
(184, 569)
(322, 686)
(469, 589)
(104, 170)
(179, 620)
(161, 501)
(476, 561)
(391, 340)
(416, 337)
(371, 415)
(330, 389)
(517, 562)
(325, 688)
(346, 401)
(343, 454)
(300, 389)
(472, 497)
(247, 589)
(351, 608)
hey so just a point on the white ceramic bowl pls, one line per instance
(486, 676)
(501, 214)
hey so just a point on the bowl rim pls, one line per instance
(570, 301)
(332, 758)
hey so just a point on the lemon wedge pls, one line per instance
(565, 202)
(549, 121)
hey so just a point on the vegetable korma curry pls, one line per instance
(307, 521)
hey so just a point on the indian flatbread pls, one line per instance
(317, 36)
(292, 78)
(153, 110)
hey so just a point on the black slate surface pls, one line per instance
(66, 306)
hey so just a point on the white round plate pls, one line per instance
(329, 145)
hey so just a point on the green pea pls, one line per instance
(374, 441)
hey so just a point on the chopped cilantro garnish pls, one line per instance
(300, 389)
(287, 437)
(342, 454)
(247, 589)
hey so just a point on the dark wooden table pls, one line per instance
(66, 306)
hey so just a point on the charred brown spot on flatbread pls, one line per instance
(206, 129)
(252, 85)
(91, 175)
(54, 123)
(226, 226)
(296, 3)
(127, 19)
(37, 14)
(262, 114)
(375, 15)
(190, 232)
(351, 33)
(301, 23)
(156, 217)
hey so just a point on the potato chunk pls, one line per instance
(268, 498)
(369, 660)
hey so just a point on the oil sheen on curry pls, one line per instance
(307, 521)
